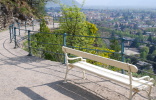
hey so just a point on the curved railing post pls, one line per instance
(32, 24)
(29, 44)
(12, 35)
(25, 26)
(64, 39)
(64, 44)
(15, 38)
(19, 28)
(122, 52)
(10, 31)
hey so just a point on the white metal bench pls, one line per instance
(135, 84)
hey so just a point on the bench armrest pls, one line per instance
(146, 78)
(75, 58)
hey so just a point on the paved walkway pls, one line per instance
(30, 78)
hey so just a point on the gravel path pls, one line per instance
(30, 78)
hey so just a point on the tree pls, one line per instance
(116, 26)
(47, 44)
(135, 26)
(135, 43)
(73, 23)
(139, 32)
(134, 60)
(154, 53)
(122, 27)
(150, 57)
(144, 33)
(150, 38)
(144, 52)
(152, 48)
(145, 49)
(143, 55)
(150, 22)
(114, 45)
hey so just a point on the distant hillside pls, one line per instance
(65, 2)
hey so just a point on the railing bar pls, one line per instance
(48, 51)
(147, 72)
(47, 33)
(94, 49)
(95, 37)
(141, 59)
(47, 43)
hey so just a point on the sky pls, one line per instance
(136, 3)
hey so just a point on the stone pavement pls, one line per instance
(25, 77)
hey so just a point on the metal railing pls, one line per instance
(65, 42)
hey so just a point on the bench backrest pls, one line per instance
(108, 61)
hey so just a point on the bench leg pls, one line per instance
(84, 74)
(65, 79)
(149, 93)
(130, 95)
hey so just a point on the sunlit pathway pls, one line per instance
(25, 77)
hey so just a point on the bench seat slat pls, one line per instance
(121, 78)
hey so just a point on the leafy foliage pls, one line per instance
(28, 8)
(143, 55)
(114, 45)
(81, 33)
(144, 52)
(47, 44)
(72, 22)
(17, 6)
(145, 49)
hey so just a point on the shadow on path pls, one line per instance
(68, 89)
(31, 94)
(20, 59)
(73, 91)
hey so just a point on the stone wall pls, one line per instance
(6, 18)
